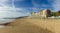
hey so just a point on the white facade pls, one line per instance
(33, 14)
(43, 13)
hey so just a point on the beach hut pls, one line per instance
(33, 14)
(44, 13)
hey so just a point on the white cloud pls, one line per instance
(3, 0)
(19, 0)
(20, 9)
(34, 3)
(7, 11)
(10, 12)
(56, 5)
(41, 5)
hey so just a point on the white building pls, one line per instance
(33, 14)
(43, 13)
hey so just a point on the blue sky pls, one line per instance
(17, 8)
(30, 3)
(41, 4)
(34, 5)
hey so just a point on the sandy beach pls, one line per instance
(29, 25)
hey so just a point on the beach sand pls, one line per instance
(29, 25)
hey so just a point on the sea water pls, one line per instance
(3, 21)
